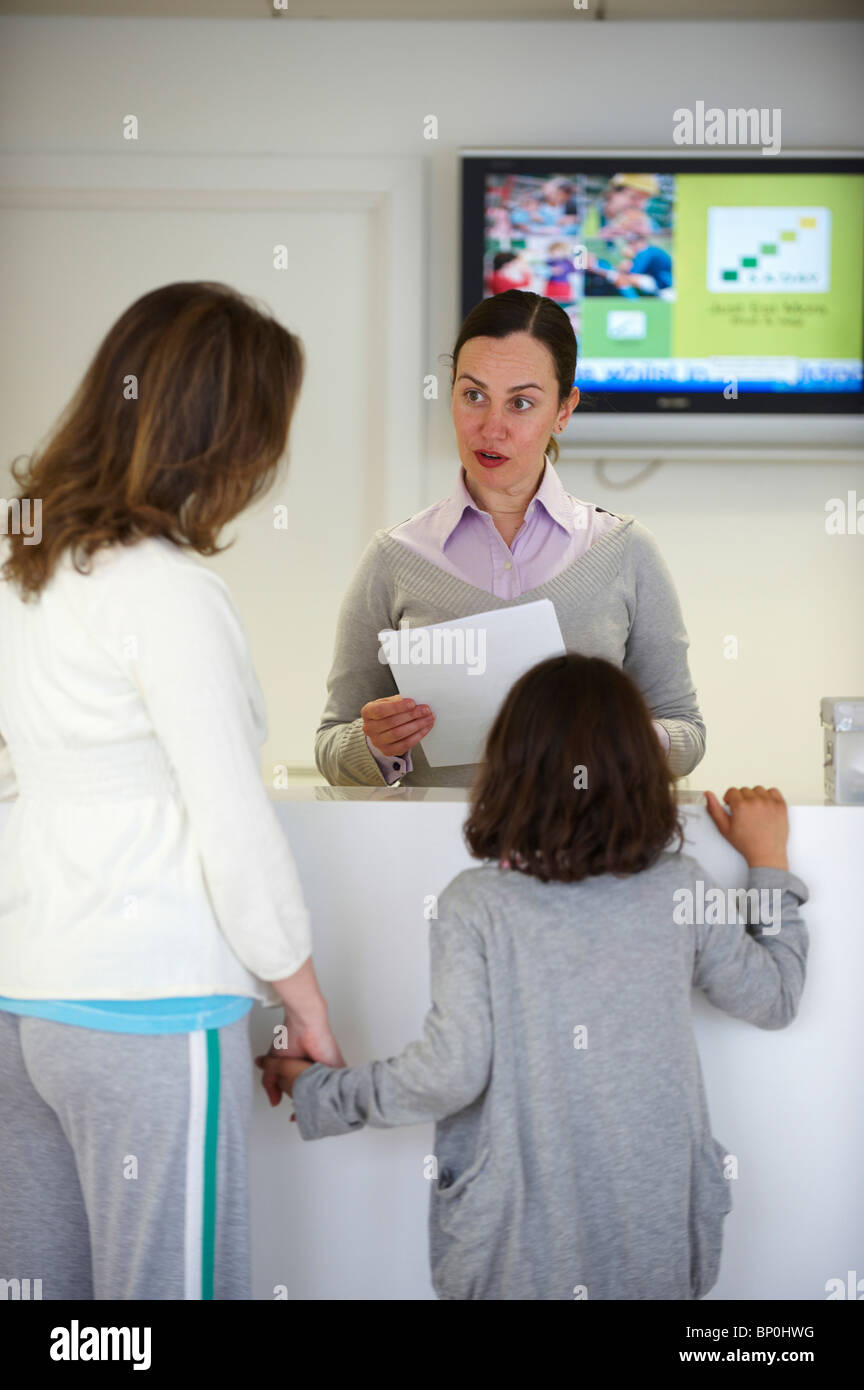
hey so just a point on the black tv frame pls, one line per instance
(475, 167)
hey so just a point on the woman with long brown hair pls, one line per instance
(147, 893)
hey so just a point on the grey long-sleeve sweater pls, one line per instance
(573, 1140)
(616, 601)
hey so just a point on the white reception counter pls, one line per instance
(345, 1218)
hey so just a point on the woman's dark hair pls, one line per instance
(502, 258)
(574, 781)
(521, 311)
(180, 421)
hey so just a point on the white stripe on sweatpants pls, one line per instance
(194, 1221)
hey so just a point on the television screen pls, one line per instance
(691, 283)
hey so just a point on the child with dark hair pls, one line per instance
(575, 1157)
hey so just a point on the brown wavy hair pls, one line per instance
(179, 423)
(569, 712)
(522, 311)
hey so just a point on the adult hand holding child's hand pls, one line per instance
(300, 1044)
(756, 824)
(280, 1072)
(306, 1031)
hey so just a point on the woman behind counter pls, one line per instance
(508, 533)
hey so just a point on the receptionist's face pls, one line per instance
(505, 407)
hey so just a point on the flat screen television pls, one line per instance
(695, 282)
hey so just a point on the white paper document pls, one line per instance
(463, 668)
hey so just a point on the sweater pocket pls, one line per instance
(464, 1216)
(711, 1201)
(450, 1189)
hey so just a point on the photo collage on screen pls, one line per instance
(600, 245)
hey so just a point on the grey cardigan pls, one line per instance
(574, 1146)
(617, 601)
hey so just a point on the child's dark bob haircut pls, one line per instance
(574, 781)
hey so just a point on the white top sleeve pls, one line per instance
(183, 644)
(8, 781)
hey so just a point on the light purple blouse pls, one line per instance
(459, 537)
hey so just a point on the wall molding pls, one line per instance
(390, 190)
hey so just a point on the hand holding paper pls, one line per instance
(462, 669)
(395, 723)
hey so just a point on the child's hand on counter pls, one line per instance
(756, 824)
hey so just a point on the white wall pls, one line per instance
(746, 542)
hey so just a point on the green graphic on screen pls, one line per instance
(772, 270)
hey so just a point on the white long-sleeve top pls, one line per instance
(142, 857)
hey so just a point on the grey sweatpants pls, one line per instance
(123, 1162)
